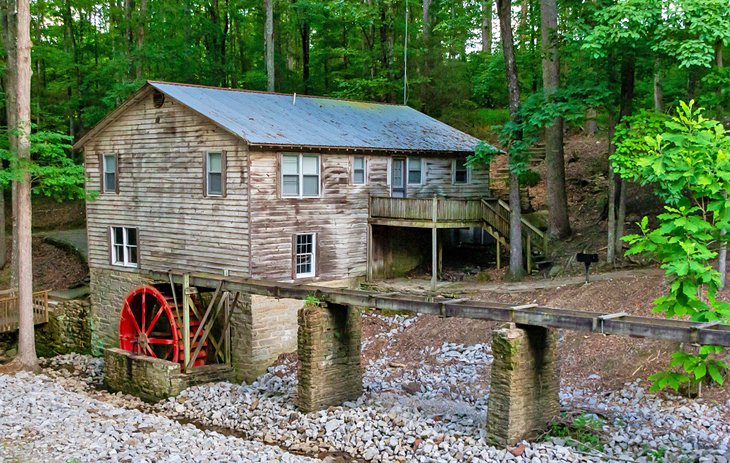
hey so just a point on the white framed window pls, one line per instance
(305, 255)
(124, 246)
(415, 171)
(110, 170)
(300, 175)
(215, 174)
(359, 170)
(461, 174)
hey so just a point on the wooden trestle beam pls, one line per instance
(616, 324)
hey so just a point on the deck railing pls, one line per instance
(494, 212)
(9, 320)
(431, 209)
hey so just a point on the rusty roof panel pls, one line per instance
(277, 119)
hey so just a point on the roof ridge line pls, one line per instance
(264, 92)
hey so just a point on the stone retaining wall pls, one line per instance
(68, 329)
(329, 356)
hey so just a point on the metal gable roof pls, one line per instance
(284, 120)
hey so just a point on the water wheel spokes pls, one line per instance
(151, 325)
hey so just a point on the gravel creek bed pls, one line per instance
(432, 413)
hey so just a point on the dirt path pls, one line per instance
(530, 284)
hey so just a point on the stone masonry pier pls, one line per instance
(524, 394)
(329, 356)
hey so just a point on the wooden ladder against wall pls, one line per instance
(496, 217)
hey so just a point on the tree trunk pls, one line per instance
(486, 26)
(516, 269)
(718, 89)
(722, 257)
(9, 35)
(557, 199)
(522, 26)
(591, 125)
(611, 248)
(658, 91)
(617, 200)
(425, 90)
(129, 30)
(304, 31)
(140, 38)
(692, 79)
(269, 44)
(26, 358)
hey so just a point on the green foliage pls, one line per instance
(53, 171)
(687, 159)
(583, 431)
(534, 114)
(311, 299)
(630, 141)
(691, 30)
(659, 454)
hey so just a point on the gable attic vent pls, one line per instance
(158, 99)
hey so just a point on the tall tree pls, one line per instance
(504, 10)
(26, 358)
(269, 44)
(9, 34)
(487, 39)
(141, 25)
(557, 200)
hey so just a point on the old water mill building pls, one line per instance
(217, 211)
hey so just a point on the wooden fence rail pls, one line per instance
(9, 320)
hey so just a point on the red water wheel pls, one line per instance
(150, 324)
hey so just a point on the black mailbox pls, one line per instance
(587, 260)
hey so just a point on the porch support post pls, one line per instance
(370, 253)
(186, 319)
(434, 257)
(499, 254)
(434, 245)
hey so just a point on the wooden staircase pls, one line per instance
(492, 215)
(496, 222)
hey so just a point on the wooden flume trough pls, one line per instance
(525, 349)
(711, 333)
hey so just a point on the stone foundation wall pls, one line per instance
(525, 387)
(68, 329)
(329, 356)
(262, 328)
(108, 289)
(145, 377)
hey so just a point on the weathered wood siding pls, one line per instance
(339, 217)
(436, 179)
(161, 154)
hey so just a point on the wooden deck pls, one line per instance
(490, 214)
(426, 213)
(9, 309)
